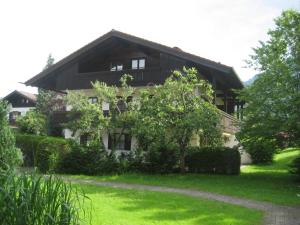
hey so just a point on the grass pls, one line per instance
(111, 206)
(271, 183)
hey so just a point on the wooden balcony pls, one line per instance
(140, 77)
(229, 123)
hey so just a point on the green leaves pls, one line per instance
(273, 100)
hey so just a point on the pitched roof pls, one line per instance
(30, 96)
(159, 47)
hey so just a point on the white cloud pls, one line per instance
(219, 30)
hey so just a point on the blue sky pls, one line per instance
(220, 30)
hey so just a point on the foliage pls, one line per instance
(261, 150)
(32, 123)
(33, 199)
(177, 110)
(219, 160)
(89, 117)
(160, 158)
(273, 100)
(295, 166)
(90, 161)
(10, 156)
(279, 186)
(43, 152)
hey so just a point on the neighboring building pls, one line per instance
(19, 103)
(115, 53)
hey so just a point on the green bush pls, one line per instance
(88, 160)
(260, 150)
(37, 200)
(160, 159)
(10, 156)
(32, 123)
(43, 152)
(218, 160)
(295, 166)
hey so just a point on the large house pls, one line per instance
(20, 102)
(115, 53)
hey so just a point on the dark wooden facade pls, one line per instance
(20, 99)
(94, 61)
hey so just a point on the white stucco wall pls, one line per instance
(22, 110)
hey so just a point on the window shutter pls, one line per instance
(127, 142)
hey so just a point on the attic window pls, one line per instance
(138, 64)
(116, 67)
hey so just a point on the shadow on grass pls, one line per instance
(144, 207)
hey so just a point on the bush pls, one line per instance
(43, 152)
(89, 161)
(33, 199)
(260, 150)
(219, 160)
(295, 166)
(160, 159)
(32, 123)
(10, 156)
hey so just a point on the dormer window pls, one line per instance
(138, 64)
(116, 67)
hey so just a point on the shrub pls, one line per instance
(43, 152)
(160, 158)
(32, 123)
(10, 156)
(88, 160)
(260, 150)
(36, 200)
(295, 166)
(219, 160)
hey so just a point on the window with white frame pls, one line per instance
(138, 64)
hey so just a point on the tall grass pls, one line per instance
(31, 199)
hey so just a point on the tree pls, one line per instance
(32, 123)
(177, 110)
(90, 118)
(10, 156)
(48, 101)
(50, 61)
(273, 100)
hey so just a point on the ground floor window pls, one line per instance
(122, 141)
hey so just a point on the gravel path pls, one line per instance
(274, 214)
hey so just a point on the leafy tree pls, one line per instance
(90, 118)
(32, 123)
(10, 156)
(177, 110)
(50, 61)
(273, 100)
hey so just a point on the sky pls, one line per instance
(220, 30)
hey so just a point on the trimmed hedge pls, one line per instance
(295, 167)
(217, 160)
(43, 152)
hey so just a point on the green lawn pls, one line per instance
(271, 183)
(112, 206)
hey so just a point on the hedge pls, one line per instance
(217, 160)
(43, 152)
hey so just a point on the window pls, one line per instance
(93, 100)
(116, 67)
(138, 64)
(124, 141)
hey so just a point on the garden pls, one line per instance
(164, 119)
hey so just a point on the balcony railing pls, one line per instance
(229, 123)
(141, 77)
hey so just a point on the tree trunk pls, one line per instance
(182, 160)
